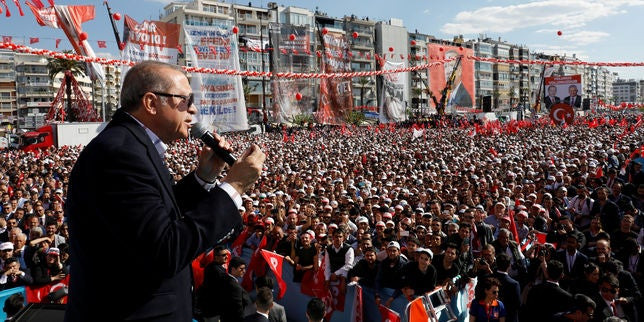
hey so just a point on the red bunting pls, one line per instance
(4, 3)
(19, 7)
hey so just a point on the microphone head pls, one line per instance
(197, 130)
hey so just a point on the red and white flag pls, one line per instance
(101, 44)
(58, 42)
(256, 266)
(357, 310)
(33, 40)
(275, 262)
(6, 38)
(388, 315)
(38, 294)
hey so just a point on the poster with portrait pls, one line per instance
(563, 89)
(392, 94)
(462, 91)
(336, 96)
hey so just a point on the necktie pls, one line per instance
(613, 307)
(572, 101)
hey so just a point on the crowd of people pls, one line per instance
(547, 218)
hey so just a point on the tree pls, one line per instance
(75, 68)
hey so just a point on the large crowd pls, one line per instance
(547, 218)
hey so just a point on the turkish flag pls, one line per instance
(417, 311)
(238, 244)
(58, 42)
(275, 262)
(198, 266)
(389, 315)
(101, 44)
(356, 315)
(313, 281)
(541, 237)
(6, 38)
(38, 294)
(33, 40)
(255, 266)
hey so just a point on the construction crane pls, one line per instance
(440, 107)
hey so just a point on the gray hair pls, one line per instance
(146, 76)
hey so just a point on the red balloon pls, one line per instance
(318, 53)
(559, 33)
(441, 49)
(325, 31)
(235, 30)
(355, 35)
(298, 96)
(623, 104)
(391, 48)
(413, 43)
(291, 37)
(83, 36)
(116, 16)
(122, 46)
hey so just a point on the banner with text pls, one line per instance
(336, 97)
(563, 89)
(394, 86)
(461, 93)
(219, 98)
(150, 40)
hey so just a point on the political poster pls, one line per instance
(336, 97)
(392, 95)
(461, 92)
(219, 98)
(563, 89)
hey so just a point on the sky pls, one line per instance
(594, 30)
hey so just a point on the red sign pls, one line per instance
(562, 112)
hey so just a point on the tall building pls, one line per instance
(105, 97)
(420, 78)
(34, 90)
(501, 76)
(394, 35)
(8, 102)
(363, 60)
(483, 71)
(627, 91)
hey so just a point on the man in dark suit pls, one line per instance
(573, 99)
(510, 291)
(606, 210)
(121, 197)
(547, 298)
(572, 260)
(264, 302)
(552, 97)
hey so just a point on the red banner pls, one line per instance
(357, 311)
(256, 266)
(335, 94)
(461, 93)
(275, 262)
(389, 315)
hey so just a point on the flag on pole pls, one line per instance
(275, 262)
(33, 40)
(101, 44)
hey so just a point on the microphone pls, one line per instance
(199, 131)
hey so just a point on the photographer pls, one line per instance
(484, 266)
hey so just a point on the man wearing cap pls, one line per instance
(417, 278)
(6, 252)
(390, 270)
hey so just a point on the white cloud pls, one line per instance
(582, 38)
(426, 11)
(564, 14)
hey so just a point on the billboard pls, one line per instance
(461, 93)
(335, 93)
(392, 94)
(219, 98)
(563, 89)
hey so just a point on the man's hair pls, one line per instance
(235, 262)
(13, 304)
(583, 302)
(264, 282)
(264, 300)
(555, 270)
(218, 249)
(552, 86)
(572, 86)
(146, 76)
(610, 279)
(502, 262)
(315, 310)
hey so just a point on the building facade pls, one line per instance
(627, 91)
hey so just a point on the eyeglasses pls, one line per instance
(220, 255)
(611, 290)
(186, 99)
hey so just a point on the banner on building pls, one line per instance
(336, 98)
(563, 89)
(149, 40)
(219, 98)
(292, 47)
(392, 94)
(461, 93)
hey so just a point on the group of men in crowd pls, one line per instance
(393, 212)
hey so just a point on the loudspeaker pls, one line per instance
(585, 104)
(487, 104)
(41, 312)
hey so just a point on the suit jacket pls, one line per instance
(577, 267)
(255, 318)
(550, 102)
(546, 299)
(577, 101)
(120, 188)
(510, 295)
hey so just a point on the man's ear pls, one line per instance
(150, 103)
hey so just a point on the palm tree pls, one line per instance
(75, 68)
